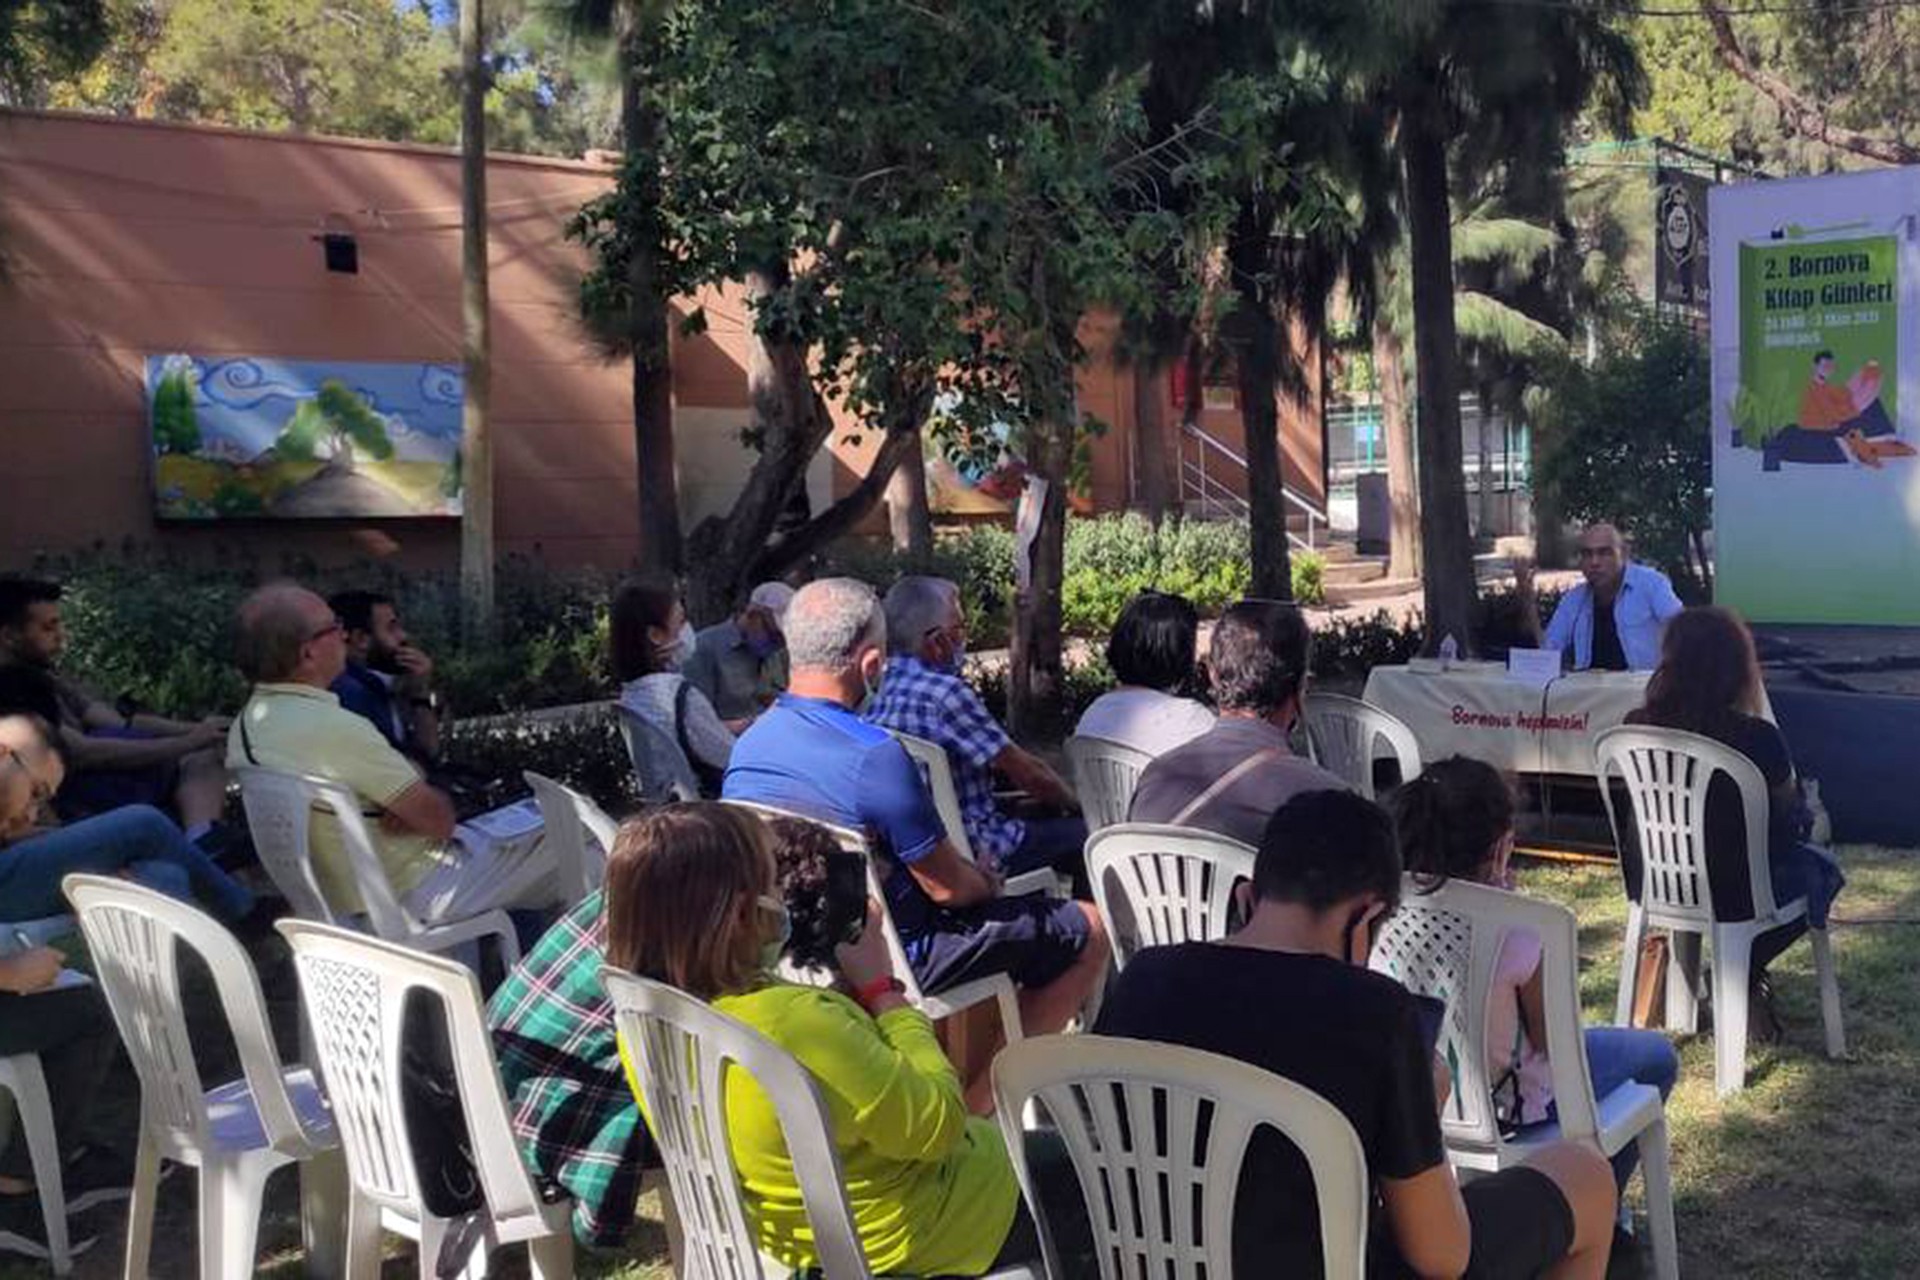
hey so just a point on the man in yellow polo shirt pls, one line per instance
(292, 648)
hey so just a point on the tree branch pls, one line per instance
(1804, 115)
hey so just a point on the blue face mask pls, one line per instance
(956, 658)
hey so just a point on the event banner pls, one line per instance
(1816, 475)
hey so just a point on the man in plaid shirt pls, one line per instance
(922, 693)
(572, 1109)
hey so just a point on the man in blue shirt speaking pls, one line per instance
(1613, 620)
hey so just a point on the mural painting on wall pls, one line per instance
(293, 439)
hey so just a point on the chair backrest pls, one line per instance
(1104, 774)
(681, 1051)
(1158, 1133)
(580, 834)
(1158, 885)
(938, 771)
(1667, 773)
(1342, 733)
(660, 768)
(355, 990)
(134, 935)
(853, 842)
(1446, 944)
(281, 808)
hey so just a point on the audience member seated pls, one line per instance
(650, 641)
(387, 679)
(1456, 820)
(691, 902)
(1708, 683)
(741, 664)
(1326, 874)
(1151, 653)
(923, 693)
(37, 851)
(120, 756)
(1611, 620)
(292, 648)
(811, 754)
(1232, 778)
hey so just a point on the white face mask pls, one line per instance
(680, 652)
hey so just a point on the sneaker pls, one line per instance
(95, 1175)
(23, 1228)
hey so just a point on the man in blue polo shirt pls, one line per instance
(812, 754)
(1612, 621)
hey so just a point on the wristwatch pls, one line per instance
(868, 993)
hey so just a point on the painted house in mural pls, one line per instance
(180, 350)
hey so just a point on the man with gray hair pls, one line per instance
(922, 693)
(812, 754)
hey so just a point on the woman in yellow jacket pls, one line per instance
(692, 900)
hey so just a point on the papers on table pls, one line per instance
(1535, 668)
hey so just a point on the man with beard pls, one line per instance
(388, 679)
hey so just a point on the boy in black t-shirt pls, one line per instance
(1327, 874)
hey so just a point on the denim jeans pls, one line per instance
(1059, 843)
(136, 838)
(1616, 1055)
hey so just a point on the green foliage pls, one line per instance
(583, 751)
(43, 39)
(176, 428)
(337, 418)
(232, 498)
(1626, 440)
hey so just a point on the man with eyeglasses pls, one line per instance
(1613, 619)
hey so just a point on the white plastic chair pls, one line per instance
(660, 768)
(997, 987)
(1159, 885)
(1667, 773)
(1342, 734)
(579, 836)
(938, 771)
(1446, 944)
(355, 989)
(281, 808)
(22, 1078)
(1158, 1133)
(1105, 774)
(236, 1133)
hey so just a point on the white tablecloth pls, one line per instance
(1475, 709)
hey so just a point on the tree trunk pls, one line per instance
(1447, 545)
(647, 308)
(1150, 438)
(1255, 337)
(792, 422)
(1396, 425)
(476, 464)
(1036, 674)
(909, 514)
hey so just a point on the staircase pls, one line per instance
(1213, 477)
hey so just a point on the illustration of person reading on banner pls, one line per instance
(1838, 419)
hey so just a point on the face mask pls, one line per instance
(771, 948)
(681, 650)
(872, 686)
(956, 658)
(764, 645)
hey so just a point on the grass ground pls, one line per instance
(1812, 1172)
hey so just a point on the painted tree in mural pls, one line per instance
(331, 426)
(176, 429)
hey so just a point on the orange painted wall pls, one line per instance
(123, 239)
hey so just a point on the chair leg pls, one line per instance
(363, 1238)
(1732, 956)
(1683, 982)
(146, 1190)
(1629, 965)
(36, 1119)
(229, 1217)
(552, 1256)
(1829, 993)
(324, 1198)
(1658, 1172)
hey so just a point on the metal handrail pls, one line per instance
(1207, 483)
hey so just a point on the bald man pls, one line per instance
(1613, 619)
(292, 648)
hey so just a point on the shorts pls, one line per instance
(1032, 939)
(1522, 1224)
